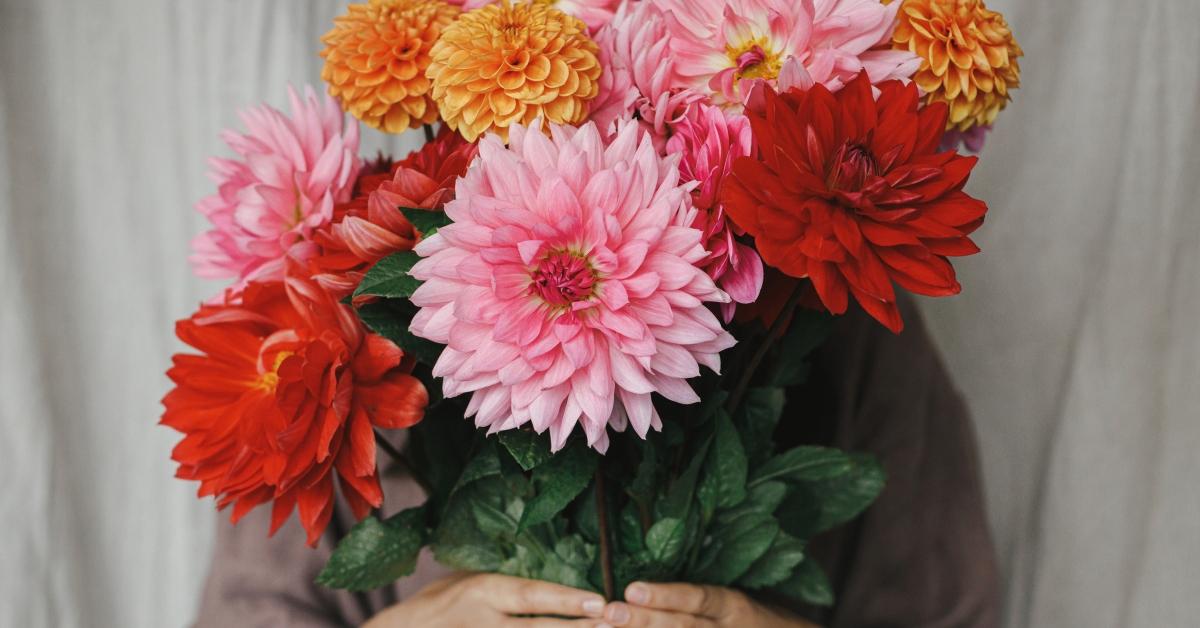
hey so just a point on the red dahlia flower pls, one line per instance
(370, 227)
(282, 397)
(850, 192)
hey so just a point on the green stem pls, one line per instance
(773, 334)
(401, 460)
(428, 132)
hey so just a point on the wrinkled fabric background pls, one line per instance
(1074, 340)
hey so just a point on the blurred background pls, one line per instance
(1074, 340)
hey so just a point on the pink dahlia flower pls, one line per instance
(282, 187)
(639, 71)
(971, 140)
(568, 288)
(594, 13)
(708, 141)
(721, 45)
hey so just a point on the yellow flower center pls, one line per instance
(269, 380)
(755, 59)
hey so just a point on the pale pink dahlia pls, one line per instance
(709, 140)
(282, 187)
(723, 47)
(639, 71)
(568, 288)
(594, 13)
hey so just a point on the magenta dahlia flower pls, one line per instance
(708, 141)
(723, 47)
(639, 71)
(568, 288)
(282, 187)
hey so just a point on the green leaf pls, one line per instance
(427, 221)
(389, 277)
(776, 565)
(665, 540)
(738, 545)
(569, 563)
(808, 330)
(527, 448)
(803, 464)
(818, 506)
(376, 553)
(758, 418)
(643, 486)
(678, 500)
(493, 521)
(762, 499)
(630, 535)
(485, 463)
(388, 319)
(558, 483)
(727, 463)
(807, 584)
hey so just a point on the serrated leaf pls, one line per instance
(558, 483)
(569, 563)
(762, 499)
(485, 463)
(678, 500)
(807, 584)
(389, 277)
(469, 557)
(643, 486)
(741, 542)
(630, 535)
(808, 330)
(527, 448)
(493, 521)
(839, 499)
(776, 565)
(388, 320)
(426, 221)
(728, 463)
(376, 553)
(665, 540)
(757, 419)
(803, 464)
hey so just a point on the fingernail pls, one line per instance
(637, 593)
(603, 626)
(617, 613)
(593, 606)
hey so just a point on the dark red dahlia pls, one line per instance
(850, 191)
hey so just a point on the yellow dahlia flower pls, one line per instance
(969, 57)
(511, 63)
(376, 56)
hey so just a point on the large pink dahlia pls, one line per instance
(708, 141)
(567, 289)
(722, 47)
(282, 187)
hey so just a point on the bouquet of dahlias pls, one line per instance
(587, 296)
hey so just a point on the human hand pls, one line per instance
(653, 605)
(468, 600)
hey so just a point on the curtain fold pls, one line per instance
(1074, 339)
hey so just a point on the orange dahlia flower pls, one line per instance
(852, 193)
(511, 63)
(969, 57)
(282, 397)
(375, 60)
